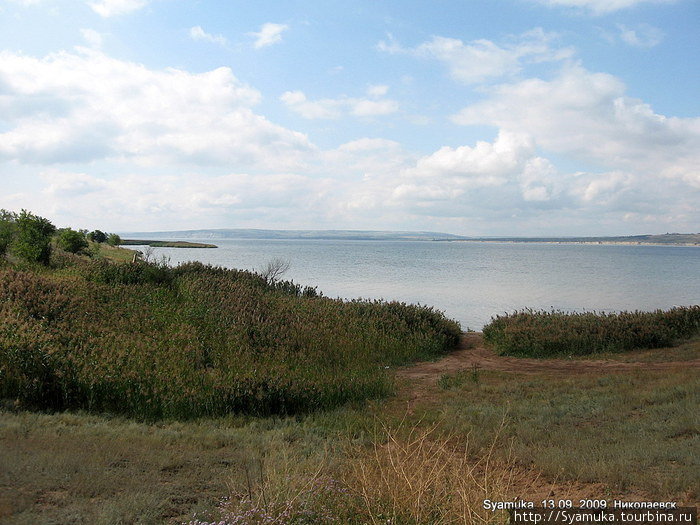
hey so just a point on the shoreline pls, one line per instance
(594, 243)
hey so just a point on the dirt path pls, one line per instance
(473, 353)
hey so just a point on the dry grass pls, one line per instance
(418, 475)
(409, 473)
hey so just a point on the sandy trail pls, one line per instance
(472, 352)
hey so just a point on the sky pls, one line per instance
(473, 117)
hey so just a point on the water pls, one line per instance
(471, 282)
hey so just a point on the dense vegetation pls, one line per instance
(152, 341)
(543, 333)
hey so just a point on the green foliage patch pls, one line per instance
(151, 341)
(550, 333)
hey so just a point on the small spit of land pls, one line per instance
(165, 244)
(134, 392)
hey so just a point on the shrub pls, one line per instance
(113, 239)
(542, 333)
(71, 241)
(151, 341)
(97, 236)
(32, 238)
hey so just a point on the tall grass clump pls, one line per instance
(410, 474)
(547, 333)
(150, 341)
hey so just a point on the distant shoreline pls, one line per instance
(594, 243)
(200, 236)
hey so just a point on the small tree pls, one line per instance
(97, 236)
(274, 269)
(71, 240)
(32, 239)
(113, 239)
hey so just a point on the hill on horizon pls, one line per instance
(380, 235)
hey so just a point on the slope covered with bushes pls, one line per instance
(151, 341)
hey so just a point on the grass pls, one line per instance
(154, 342)
(683, 351)
(542, 333)
(80, 468)
(635, 436)
(637, 432)
(342, 466)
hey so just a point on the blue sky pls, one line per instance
(500, 117)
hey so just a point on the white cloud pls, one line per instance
(588, 116)
(269, 34)
(84, 106)
(132, 201)
(104, 8)
(108, 8)
(198, 34)
(482, 60)
(333, 108)
(92, 37)
(377, 90)
(601, 6)
(644, 35)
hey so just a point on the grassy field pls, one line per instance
(634, 436)
(634, 432)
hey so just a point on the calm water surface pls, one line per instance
(471, 282)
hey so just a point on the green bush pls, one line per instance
(32, 238)
(113, 239)
(97, 236)
(71, 241)
(542, 333)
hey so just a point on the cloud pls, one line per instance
(92, 37)
(86, 106)
(600, 7)
(643, 36)
(26, 2)
(108, 8)
(481, 60)
(104, 8)
(451, 182)
(132, 201)
(377, 90)
(269, 34)
(330, 108)
(588, 116)
(198, 34)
